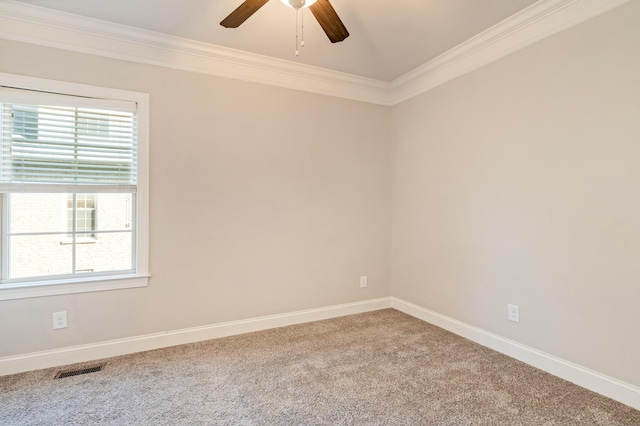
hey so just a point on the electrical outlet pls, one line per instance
(363, 281)
(513, 313)
(59, 320)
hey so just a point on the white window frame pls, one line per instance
(140, 278)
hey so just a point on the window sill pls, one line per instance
(26, 290)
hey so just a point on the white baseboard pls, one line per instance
(615, 389)
(612, 388)
(83, 353)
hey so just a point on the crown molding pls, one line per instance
(37, 25)
(46, 27)
(534, 23)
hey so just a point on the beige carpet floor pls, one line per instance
(377, 368)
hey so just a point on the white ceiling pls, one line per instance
(388, 38)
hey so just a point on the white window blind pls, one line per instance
(61, 143)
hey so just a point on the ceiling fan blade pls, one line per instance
(329, 20)
(242, 13)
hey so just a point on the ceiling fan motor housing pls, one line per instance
(298, 4)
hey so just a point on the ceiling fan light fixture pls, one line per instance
(298, 4)
(322, 10)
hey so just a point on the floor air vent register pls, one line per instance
(77, 372)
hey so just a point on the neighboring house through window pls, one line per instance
(24, 122)
(81, 210)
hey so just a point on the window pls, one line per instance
(25, 122)
(81, 214)
(73, 186)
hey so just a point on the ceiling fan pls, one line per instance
(322, 10)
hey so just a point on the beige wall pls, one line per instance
(520, 183)
(262, 201)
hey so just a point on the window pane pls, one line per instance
(38, 213)
(40, 255)
(108, 252)
(114, 212)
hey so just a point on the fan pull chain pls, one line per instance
(301, 28)
(302, 39)
(297, 32)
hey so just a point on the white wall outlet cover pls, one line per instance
(363, 281)
(59, 320)
(513, 313)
